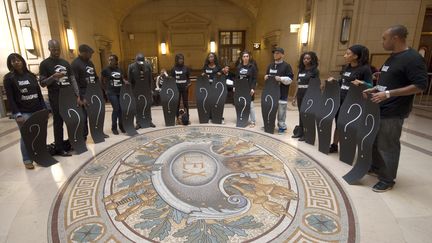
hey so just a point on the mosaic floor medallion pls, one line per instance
(202, 184)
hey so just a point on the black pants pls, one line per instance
(300, 94)
(53, 97)
(183, 95)
(386, 149)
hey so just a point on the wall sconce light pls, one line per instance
(28, 37)
(256, 46)
(304, 33)
(71, 39)
(345, 30)
(131, 37)
(163, 48)
(212, 46)
(294, 28)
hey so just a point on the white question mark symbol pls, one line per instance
(205, 98)
(79, 121)
(271, 108)
(37, 135)
(130, 100)
(172, 96)
(220, 95)
(325, 104)
(145, 104)
(373, 125)
(355, 119)
(100, 108)
(310, 105)
(244, 107)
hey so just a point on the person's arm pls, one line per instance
(188, 82)
(44, 79)
(157, 82)
(287, 79)
(39, 91)
(10, 94)
(366, 79)
(105, 78)
(253, 77)
(130, 75)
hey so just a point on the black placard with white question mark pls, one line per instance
(242, 100)
(217, 98)
(95, 111)
(34, 134)
(202, 90)
(310, 106)
(169, 98)
(72, 115)
(329, 105)
(269, 103)
(128, 109)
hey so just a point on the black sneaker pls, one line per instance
(152, 125)
(63, 153)
(106, 135)
(333, 148)
(137, 127)
(122, 129)
(382, 187)
(301, 139)
(115, 131)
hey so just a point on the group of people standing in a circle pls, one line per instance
(402, 75)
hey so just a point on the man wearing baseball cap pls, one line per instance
(283, 73)
(84, 72)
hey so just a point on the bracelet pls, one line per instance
(387, 94)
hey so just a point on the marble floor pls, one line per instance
(403, 214)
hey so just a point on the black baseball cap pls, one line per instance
(85, 48)
(278, 49)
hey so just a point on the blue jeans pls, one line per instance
(386, 149)
(24, 153)
(116, 113)
(281, 115)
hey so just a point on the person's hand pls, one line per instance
(378, 97)
(57, 76)
(331, 79)
(266, 77)
(233, 89)
(252, 92)
(357, 82)
(20, 120)
(369, 91)
(278, 78)
(294, 102)
(126, 82)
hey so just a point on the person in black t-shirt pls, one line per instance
(211, 66)
(402, 75)
(229, 82)
(308, 69)
(247, 71)
(24, 96)
(356, 72)
(181, 74)
(85, 73)
(283, 74)
(56, 73)
(112, 80)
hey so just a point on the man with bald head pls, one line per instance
(402, 75)
(56, 73)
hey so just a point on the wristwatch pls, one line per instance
(387, 93)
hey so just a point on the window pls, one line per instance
(231, 44)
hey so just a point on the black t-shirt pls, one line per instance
(349, 74)
(247, 72)
(84, 72)
(181, 74)
(304, 76)
(400, 70)
(115, 80)
(23, 93)
(50, 66)
(282, 69)
(211, 72)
